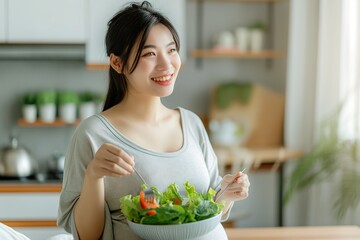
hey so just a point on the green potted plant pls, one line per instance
(29, 110)
(68, 101)
(87, 105)
(331, 156)
(46, 101)
(231, 91)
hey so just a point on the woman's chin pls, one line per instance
(166, 92)
(166, 95)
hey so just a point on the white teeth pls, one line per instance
(161, 79)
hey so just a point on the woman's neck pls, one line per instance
(149, 111)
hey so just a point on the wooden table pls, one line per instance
(295, 233)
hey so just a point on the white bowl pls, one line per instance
(175, 231)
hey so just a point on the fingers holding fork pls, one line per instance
(236, 189)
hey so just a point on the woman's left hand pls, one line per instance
(239, 190)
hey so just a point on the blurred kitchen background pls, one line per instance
(286, 51)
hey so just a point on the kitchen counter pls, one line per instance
(295, 233)
(30, 186)
(31, 205)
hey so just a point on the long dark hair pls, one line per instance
(131, 23)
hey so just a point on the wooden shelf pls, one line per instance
(39, 123)
(266, 157)
(97, 66)
(273, 155)
(213, 53)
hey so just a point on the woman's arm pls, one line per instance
(89, 212)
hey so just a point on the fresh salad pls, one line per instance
(170, 207)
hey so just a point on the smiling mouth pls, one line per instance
(162, 78)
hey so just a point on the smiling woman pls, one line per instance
(136, 128)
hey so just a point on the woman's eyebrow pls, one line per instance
(153, 46)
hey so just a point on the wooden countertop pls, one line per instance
(295, 233)
(13, 187)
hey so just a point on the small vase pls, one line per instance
(86, 110)
(242, 35)
(256, 40)
(29, 112)
(226, 40)
(67, 112)
(47, 112)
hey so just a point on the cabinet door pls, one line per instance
(29, 206)
(3, 21)
(102, 11)
(19, 207)
(50, 21)
(99, 14)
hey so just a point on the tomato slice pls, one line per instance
(142, 200)
(151, 212)
(145, 204)
(177, 201)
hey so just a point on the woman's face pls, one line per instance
(158, 66)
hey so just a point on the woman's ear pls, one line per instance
(115, 63)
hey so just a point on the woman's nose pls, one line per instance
(164, 61)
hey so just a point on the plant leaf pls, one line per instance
(349, 195)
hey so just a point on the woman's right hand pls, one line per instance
(110, 160)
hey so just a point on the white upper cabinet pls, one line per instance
(2, 21)
(74, 21)
(46, 21)
(101, 12)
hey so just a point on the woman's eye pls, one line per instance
(172, 50)
(149, 54)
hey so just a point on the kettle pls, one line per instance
(56, 165)
(16, 161)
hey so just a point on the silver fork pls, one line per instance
(149, 193)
